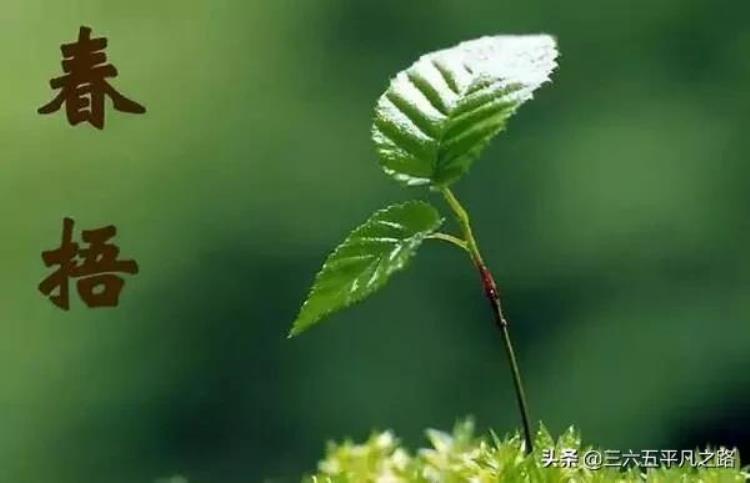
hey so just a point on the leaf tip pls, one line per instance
(294, 331)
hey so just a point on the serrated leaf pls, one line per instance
(439, 114)
(367, 258)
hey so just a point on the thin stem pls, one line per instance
(463, 221)
(493, 296)
(450, 239)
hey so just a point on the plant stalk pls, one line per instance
(450, 239)
(493, 296)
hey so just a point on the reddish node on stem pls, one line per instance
(488, 282)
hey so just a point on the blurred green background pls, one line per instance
(614, 212)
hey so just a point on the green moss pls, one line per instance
(461, 456)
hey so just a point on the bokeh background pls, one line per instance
(614, 211)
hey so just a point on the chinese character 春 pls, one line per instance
(84, 85)
(95, 266)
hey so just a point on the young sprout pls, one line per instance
(430, 125)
